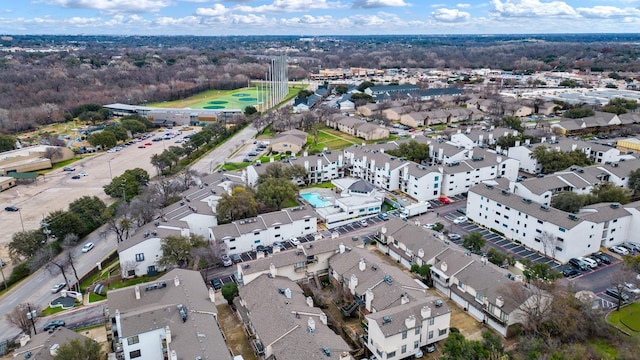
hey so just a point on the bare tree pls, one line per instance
(69, 241)
(120, 222)
(533, 303)
(127, 266)
(18, 317)
(187, 178)
(549, 242)
(619, 280)
(54, 264)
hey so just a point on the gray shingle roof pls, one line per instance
(399, 313)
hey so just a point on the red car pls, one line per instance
(147, 144)
(445, 200)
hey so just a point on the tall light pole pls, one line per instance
(45, 228)
(124, 189)
(110, 174)
(31, 316)
(21, 222)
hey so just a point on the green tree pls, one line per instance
(578, 113)
(273, 192)
(250, 110)
(568, 83)
(541, 271)
(513, 122)
(25, 244)
(567, 201)
(127, 184)
(365, 85)
(118, 131)
(62, 223)
(229, 291)
(341, 89)
(91, 211)
(474, 242)
(364, 97)
(411, 150)
(7, 142)
(634, 182)
(608, 192)
(552, 160)
(303, 94)
(76, 349)
(103, 138)
(241, 204)
(177, 250)
(133, 125)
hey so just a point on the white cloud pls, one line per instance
(216, 10)
(608, 12)
(114, 5)
(287, 6)
(450, 15)
(370, 4)
(309, 20)
(528, 8)
(463, 6)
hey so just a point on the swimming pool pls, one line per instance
(316, 200)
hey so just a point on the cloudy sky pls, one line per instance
(317, 17)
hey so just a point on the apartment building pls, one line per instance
(265, 229)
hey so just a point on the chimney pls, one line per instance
(24, 340)
(574, 147)
(137, 291)
(310, 301)
(361, 265)
(167, 333)
(470, 154)
(311, 324)
(499, 301)
(272, 270)
(368, 298)
(553, 138)
(323, 318)
(480, 139)
(425, 312)
(176, 281)
(498, 159)
(305, 154)
(527, 141)
(53, 350)
(443, 266)
(341, 248)
(353, 283)
(410, 322)
(174, 355)
(517, 143)
(212, 295)
(404, 299)
(420, 253)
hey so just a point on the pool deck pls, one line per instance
(325, 194)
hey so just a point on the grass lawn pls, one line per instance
(50, 311)
(331, 139)
(627, 319)
(235, 166)
(605, 350)
(324, 185)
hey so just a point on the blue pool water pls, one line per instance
(316, 200)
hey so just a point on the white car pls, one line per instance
(57, 287)
(427, 226)
(619, 250)
(454, 237)
(364, 222)
(460, 220)
(83, 174)
(629, 287)
(226, 260)
(87, 247)
(592, 263)
(294, 241)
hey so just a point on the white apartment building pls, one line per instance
(357, 200)
(322, 167)
(246, 234)
(542, 228)
(158, 320)
(400, 332)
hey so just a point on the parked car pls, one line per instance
(75, 177)
(216, 283)
(226, 260)
(604, 258)
(57, 287)
(633, 245)
(445, 200)
(578, 264)
(631, 288)
(427, 226)
(570, 272)
(87, 247)
(364, 222)
(430, 348)
(590, 262)
(253, 153)
(260, 248)
(383, 216)
(462, 211)
(460, 220)
(83, 174)
(11, 208)
(54, 324)
(617, 294)
(294, 241)
(454, 237)
(69, 168)
(619, 250)
(236, 258)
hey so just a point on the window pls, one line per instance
(135, 354)
(442, 332)
(306, 220)
(256, 233)
(391, 354)
(277, 227)
(431, 334)
(139, 257)
(416, 344)
(479, 297)
(562, 229)
(431, 321)
(133, 340)
(403, 349)
(417, 331)
(256, 241)
(540, 222)
(307, 227)
(404, 334)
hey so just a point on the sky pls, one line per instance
(316, 17)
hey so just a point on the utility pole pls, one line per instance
(31, 316)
